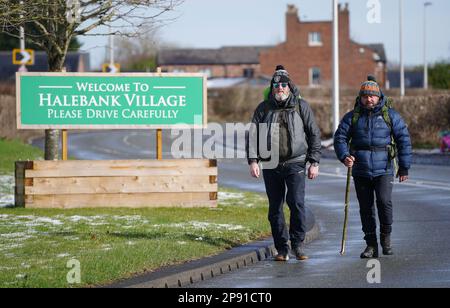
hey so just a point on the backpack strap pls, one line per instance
(267, 107)
(392, 147)
(355, 118)
(356, 112)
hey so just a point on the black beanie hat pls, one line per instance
(280, 75)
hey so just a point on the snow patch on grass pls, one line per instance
(6, 190)
(201, 225)
(225, 196)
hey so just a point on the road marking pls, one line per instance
(421, 184)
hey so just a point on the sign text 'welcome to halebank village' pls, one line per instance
(71, 100)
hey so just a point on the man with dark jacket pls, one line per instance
(294, 138)
(368, 139)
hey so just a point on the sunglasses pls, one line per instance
(282, 84)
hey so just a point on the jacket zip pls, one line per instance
(370, 139)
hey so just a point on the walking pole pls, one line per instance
(347, 204)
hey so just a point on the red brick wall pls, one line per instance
(298, 57)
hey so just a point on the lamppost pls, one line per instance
(335, 66)
(425, 62)
(22, 68)
(402, 67)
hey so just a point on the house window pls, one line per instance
(314, 76)
(249, 72)
(315, 39)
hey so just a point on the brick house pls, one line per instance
(225, 62)
(307, 53)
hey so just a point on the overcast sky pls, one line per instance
(216, 23)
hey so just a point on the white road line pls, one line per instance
(421, 184)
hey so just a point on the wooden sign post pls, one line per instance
(159, 141)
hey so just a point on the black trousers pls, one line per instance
(286, 183)
(366, 190)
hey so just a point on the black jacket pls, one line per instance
(304, 134)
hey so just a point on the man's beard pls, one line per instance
(281, 97)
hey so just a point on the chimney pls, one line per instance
(344, 22)
(292, 9)
(292, 21)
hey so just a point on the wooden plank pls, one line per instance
(19, 189)
(120, 183)
(213, 196)
(144, 163)
(205, 101)
(90, 172)
(64, 144)
(159, 144)
(120, 200)
(115, 185)
(18, 100)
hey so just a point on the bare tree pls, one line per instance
(58, 21)
(139, 54)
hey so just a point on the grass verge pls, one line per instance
(109, 244)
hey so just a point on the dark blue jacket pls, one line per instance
(370, 134)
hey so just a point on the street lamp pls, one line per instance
(402, 67)
(335, 65)
(22, 68)
(425, 63)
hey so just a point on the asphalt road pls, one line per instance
(420, 236)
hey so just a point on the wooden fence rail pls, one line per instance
(116, 183)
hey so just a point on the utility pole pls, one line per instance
(111, 48)
(425, 62)
(22, 68)
(402, 67)
(335, 66)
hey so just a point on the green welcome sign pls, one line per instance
(110, 101)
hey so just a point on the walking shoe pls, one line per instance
(370, 252)
(300, 254)
(386, 244)
(282, 256)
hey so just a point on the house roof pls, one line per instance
(379, 49)
(224, 55)
(8, 70)
(231, 55)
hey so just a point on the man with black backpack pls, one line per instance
(293, 132)
(370, 139)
